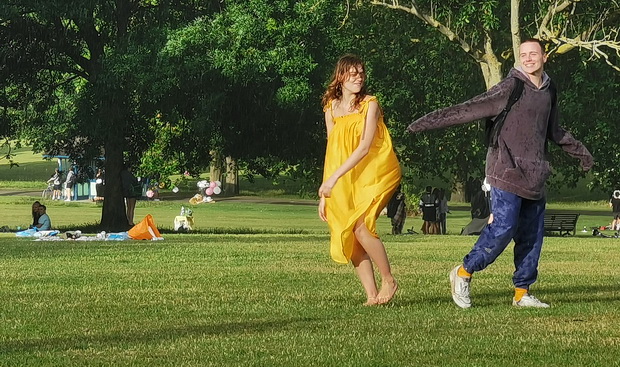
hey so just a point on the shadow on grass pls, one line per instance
(83, 341)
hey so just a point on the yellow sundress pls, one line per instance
(363, 191)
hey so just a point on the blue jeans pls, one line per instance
(513, 218)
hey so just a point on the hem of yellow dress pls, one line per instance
(358, 215)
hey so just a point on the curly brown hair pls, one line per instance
(339, 76)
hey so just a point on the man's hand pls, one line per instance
(586, 164)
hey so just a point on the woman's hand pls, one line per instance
(325, 190)
(322, 213)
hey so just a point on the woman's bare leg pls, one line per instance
(365, 272)
(376, 251)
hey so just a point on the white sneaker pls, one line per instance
(529, 301)
(460, 289)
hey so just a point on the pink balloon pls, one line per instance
(212, 184)
(209, 191)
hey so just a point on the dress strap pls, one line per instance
(364, 104)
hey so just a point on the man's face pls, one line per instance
(41, 210)
(532, 57)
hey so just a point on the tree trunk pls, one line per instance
(514, 29)
(231, 185)
(114, 116)
(492, 72)
(216, 168)
(113, 215)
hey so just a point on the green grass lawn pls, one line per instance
(32, 171)
(278, 300)
(267, 294)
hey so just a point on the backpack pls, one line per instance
(493, 126)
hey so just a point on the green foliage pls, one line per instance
(171, 83)
(589, 113)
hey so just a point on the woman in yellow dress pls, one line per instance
(360, 175)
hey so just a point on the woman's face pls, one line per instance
(354, 79)
(35, 207)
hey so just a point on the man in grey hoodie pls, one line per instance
(516, 168)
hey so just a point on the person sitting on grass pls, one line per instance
(35, 213)
(45, 223)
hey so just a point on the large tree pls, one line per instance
(75, 69)
(490, 31)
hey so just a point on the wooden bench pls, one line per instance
(564, 223)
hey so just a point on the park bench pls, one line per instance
(564, 223)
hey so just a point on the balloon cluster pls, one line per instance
(210, 187)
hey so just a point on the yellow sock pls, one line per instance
(519, 293)
(463, 273)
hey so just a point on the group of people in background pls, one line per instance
(57, 181)
(434, 208)
(614, 203)
(40, 220)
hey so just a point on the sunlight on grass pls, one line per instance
(279, 300)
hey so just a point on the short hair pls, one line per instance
(429, 189)
(43, 206)
(543, 45)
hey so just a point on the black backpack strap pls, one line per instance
(515, 95)
(498, 122)
(554, 110)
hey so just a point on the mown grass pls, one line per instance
(278, 300)
(255, 287)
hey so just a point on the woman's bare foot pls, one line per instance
(388, 289)
(371, 301)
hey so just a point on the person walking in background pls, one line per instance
(99, 185)
(131, 187)
(56, 181)
(69, 182)
(443, 210)
(516, 169)
(397, 211)
(428, 205)
(614, 203)
(361, 173)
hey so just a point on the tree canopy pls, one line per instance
(172, 85)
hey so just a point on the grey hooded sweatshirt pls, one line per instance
(518, 164)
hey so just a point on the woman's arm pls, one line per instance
(329, 121)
